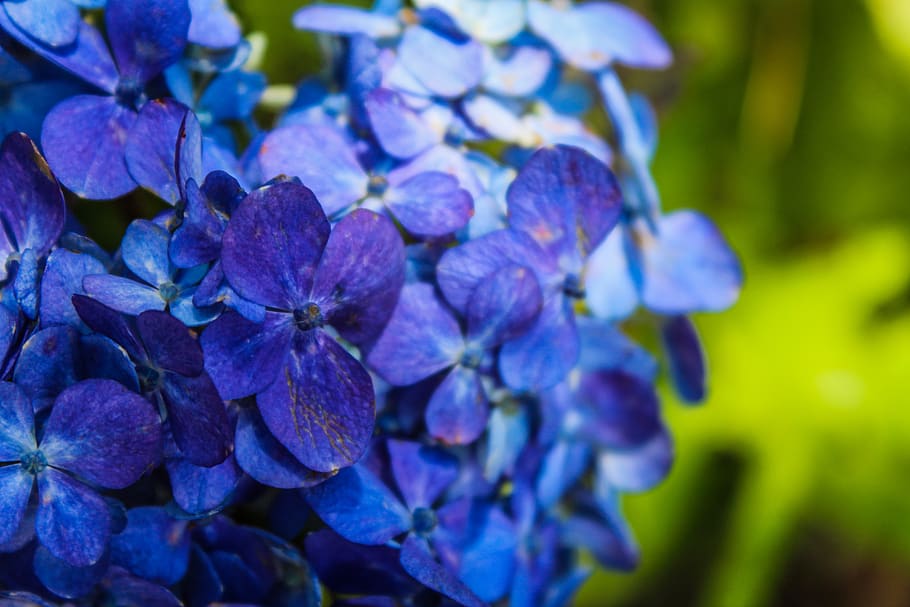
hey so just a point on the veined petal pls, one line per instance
(419, 563)
(122, 294)
(146, 35)
(15, 490)
(17, 423)
(73, 522)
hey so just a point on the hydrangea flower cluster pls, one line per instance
(385, 351)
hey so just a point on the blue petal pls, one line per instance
(232, 95)
(611, 544)
(198, 419)
(25, 285)
(520, 73)
(186, 311)
(109, 323)
(15, 489)
(543, 356)
(345, 20)
(146, 35)
(73, 522)
(63, 275)
(343, 501)
(321, 158)
(47, 364)
(422, 472)
(84, 138)
(51, 22)
(401, 132)
(623, 409)
(457, 411)
(430, 204)
(145, 252)
(153, 545)
(213, 24)
(637, 469)
(610, 291)
(17, 423)
(123, 294)
(504, 306)
(64, 579)
(488, 561)
(419, 562)
(686, 358)
(448, 67)
(560, 469)
(491, 21)
(508, 431)
(379, 571)
(421, 338)
(604, 347)
(197, 489)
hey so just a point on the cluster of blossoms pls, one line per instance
(383, 350)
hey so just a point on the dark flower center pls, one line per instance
(34, 462)
(424, 521)
(168, 291)
(572, 287)
(128, 93)
(377, 185)
(308, 317)
(472, 357)
(149, 378)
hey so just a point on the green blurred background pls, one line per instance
(789, 122)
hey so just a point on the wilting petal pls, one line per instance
(103, 432)
(151, 149)
(33, 207)
(417, 561)
(543, 356)
(446, 66)
(457, 411)
(567, 200)
(430, 204)
(197, 489)
(638, 469)
(169, 343)
(345, 20)
(686, 358)
(62, 279)
(244, 357)
(504, 306)
(358, 507)
(272, 244)
(421, 338)
(15, 489)
(122, 294)
(421, 472)
(73, 522)
(146, 35)
(321, 158)
(462, 269)
(17, 423)
(321, 406)
(83, 139)
(401, 131)
(198, 418)
(624, 411)
(688, 266)
(153, 545)
(261, 456)
(360, 275)
(213, 24)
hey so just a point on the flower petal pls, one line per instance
(420, 564)
(686, 358)
(504, 306)
(169, 343)
(63, 275)
(457, 412)
(543, 356)
(73, 522)
(17, 423)
(52, 22)
(146, 35)
(198, 418)
(15, 490)
(153, 545)
(446, 66)
(430, 204)
(199, 489)
(421, 472)
(401, 131)
(122, 294)
(109, 323)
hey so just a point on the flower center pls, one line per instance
(308, 317)
(572, 287)
(33, 462)
(168, 291)
(424, 521)
(377, 186)
(149, 378)
(472, 357)
(128, 93)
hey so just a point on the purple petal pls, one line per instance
(360, 275)
(430, 204)
(109, 323)
(15, 489)
(213, 24)
(261, 456)
(359, 508)
(197, 489)
(610, 291)
(421, 338)
(62, 279)
(123, 294)
(346, 21)
(401, 131)
(610, 544)
(51, 22)
(567, 200)
(84, 139)
(198, 418)
(442, 159)
(244, 357)
(688, 267)
(457, 412)
(47, 364)
(153, 545)
(544, 355)
(625, 412)
(463, 269)
(638, 469)
(272, 244)
(146, 35)
(321, 158)
(73, 522)
(379, 571)
(169, 343)
(447, 67)
(33, 207)
(421, 472)
(321, 407)
(102, 432)
(125, 589)
(419, 563)
(686, 358)
(151, 149)
(17, 423)
(504, 306)
(198, 239)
